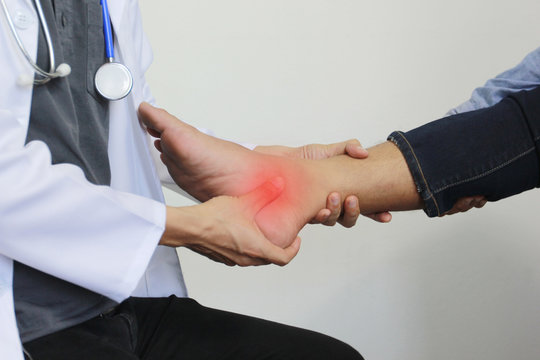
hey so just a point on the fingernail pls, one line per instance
(351, 203)
(362, 149)
(334, 200)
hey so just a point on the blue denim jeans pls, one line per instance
(491, 152)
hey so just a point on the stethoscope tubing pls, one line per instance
(111, 70)
(48, 75)
(122, 84)
(107, 30)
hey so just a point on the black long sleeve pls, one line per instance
(493, 152)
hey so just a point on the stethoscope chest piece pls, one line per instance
(113, 81)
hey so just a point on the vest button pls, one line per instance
(23, 19)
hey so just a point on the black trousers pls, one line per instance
(180, 328)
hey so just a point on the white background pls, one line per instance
(299, 71)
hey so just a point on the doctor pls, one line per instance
(82, 213)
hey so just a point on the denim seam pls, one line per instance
(421, 173)
(485, 173)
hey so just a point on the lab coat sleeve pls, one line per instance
(54, 220)
(10, 344)
(524, 76)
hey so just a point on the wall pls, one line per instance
(299, 71)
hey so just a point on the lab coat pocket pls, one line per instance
(96, 47)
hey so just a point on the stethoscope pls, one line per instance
(113, 80)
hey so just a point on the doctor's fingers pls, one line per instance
(330, 215)
(351, 211)
(256, 257)
(382, 217)
(333, 203)
(211, 254)
(354, 149)
(229, 260)
(254, 250)
(351, 147)
(267, 251)
(346, 213)
(324, 151)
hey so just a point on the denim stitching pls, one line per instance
(421, 173)
(486, 172)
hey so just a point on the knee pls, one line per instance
(323, 347)
(342, 351)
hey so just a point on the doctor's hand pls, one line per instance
(207, 167)
(344, 212)
(224, 229)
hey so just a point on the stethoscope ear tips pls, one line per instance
(63, 70)
(25, 80)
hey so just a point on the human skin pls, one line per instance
(345, 213)
(207, 167)
(224, 228)
(381, 182)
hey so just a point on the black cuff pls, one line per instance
(489, 152)
(431, 207)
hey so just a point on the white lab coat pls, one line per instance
(99, 237)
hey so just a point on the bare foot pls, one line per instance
(205, 167)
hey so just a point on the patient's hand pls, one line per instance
(467, 203)
(206, 167)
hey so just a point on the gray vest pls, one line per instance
(71, 118)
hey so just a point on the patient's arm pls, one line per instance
(346, 212)
(382, 182)
(491, 152)
(206, 167)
